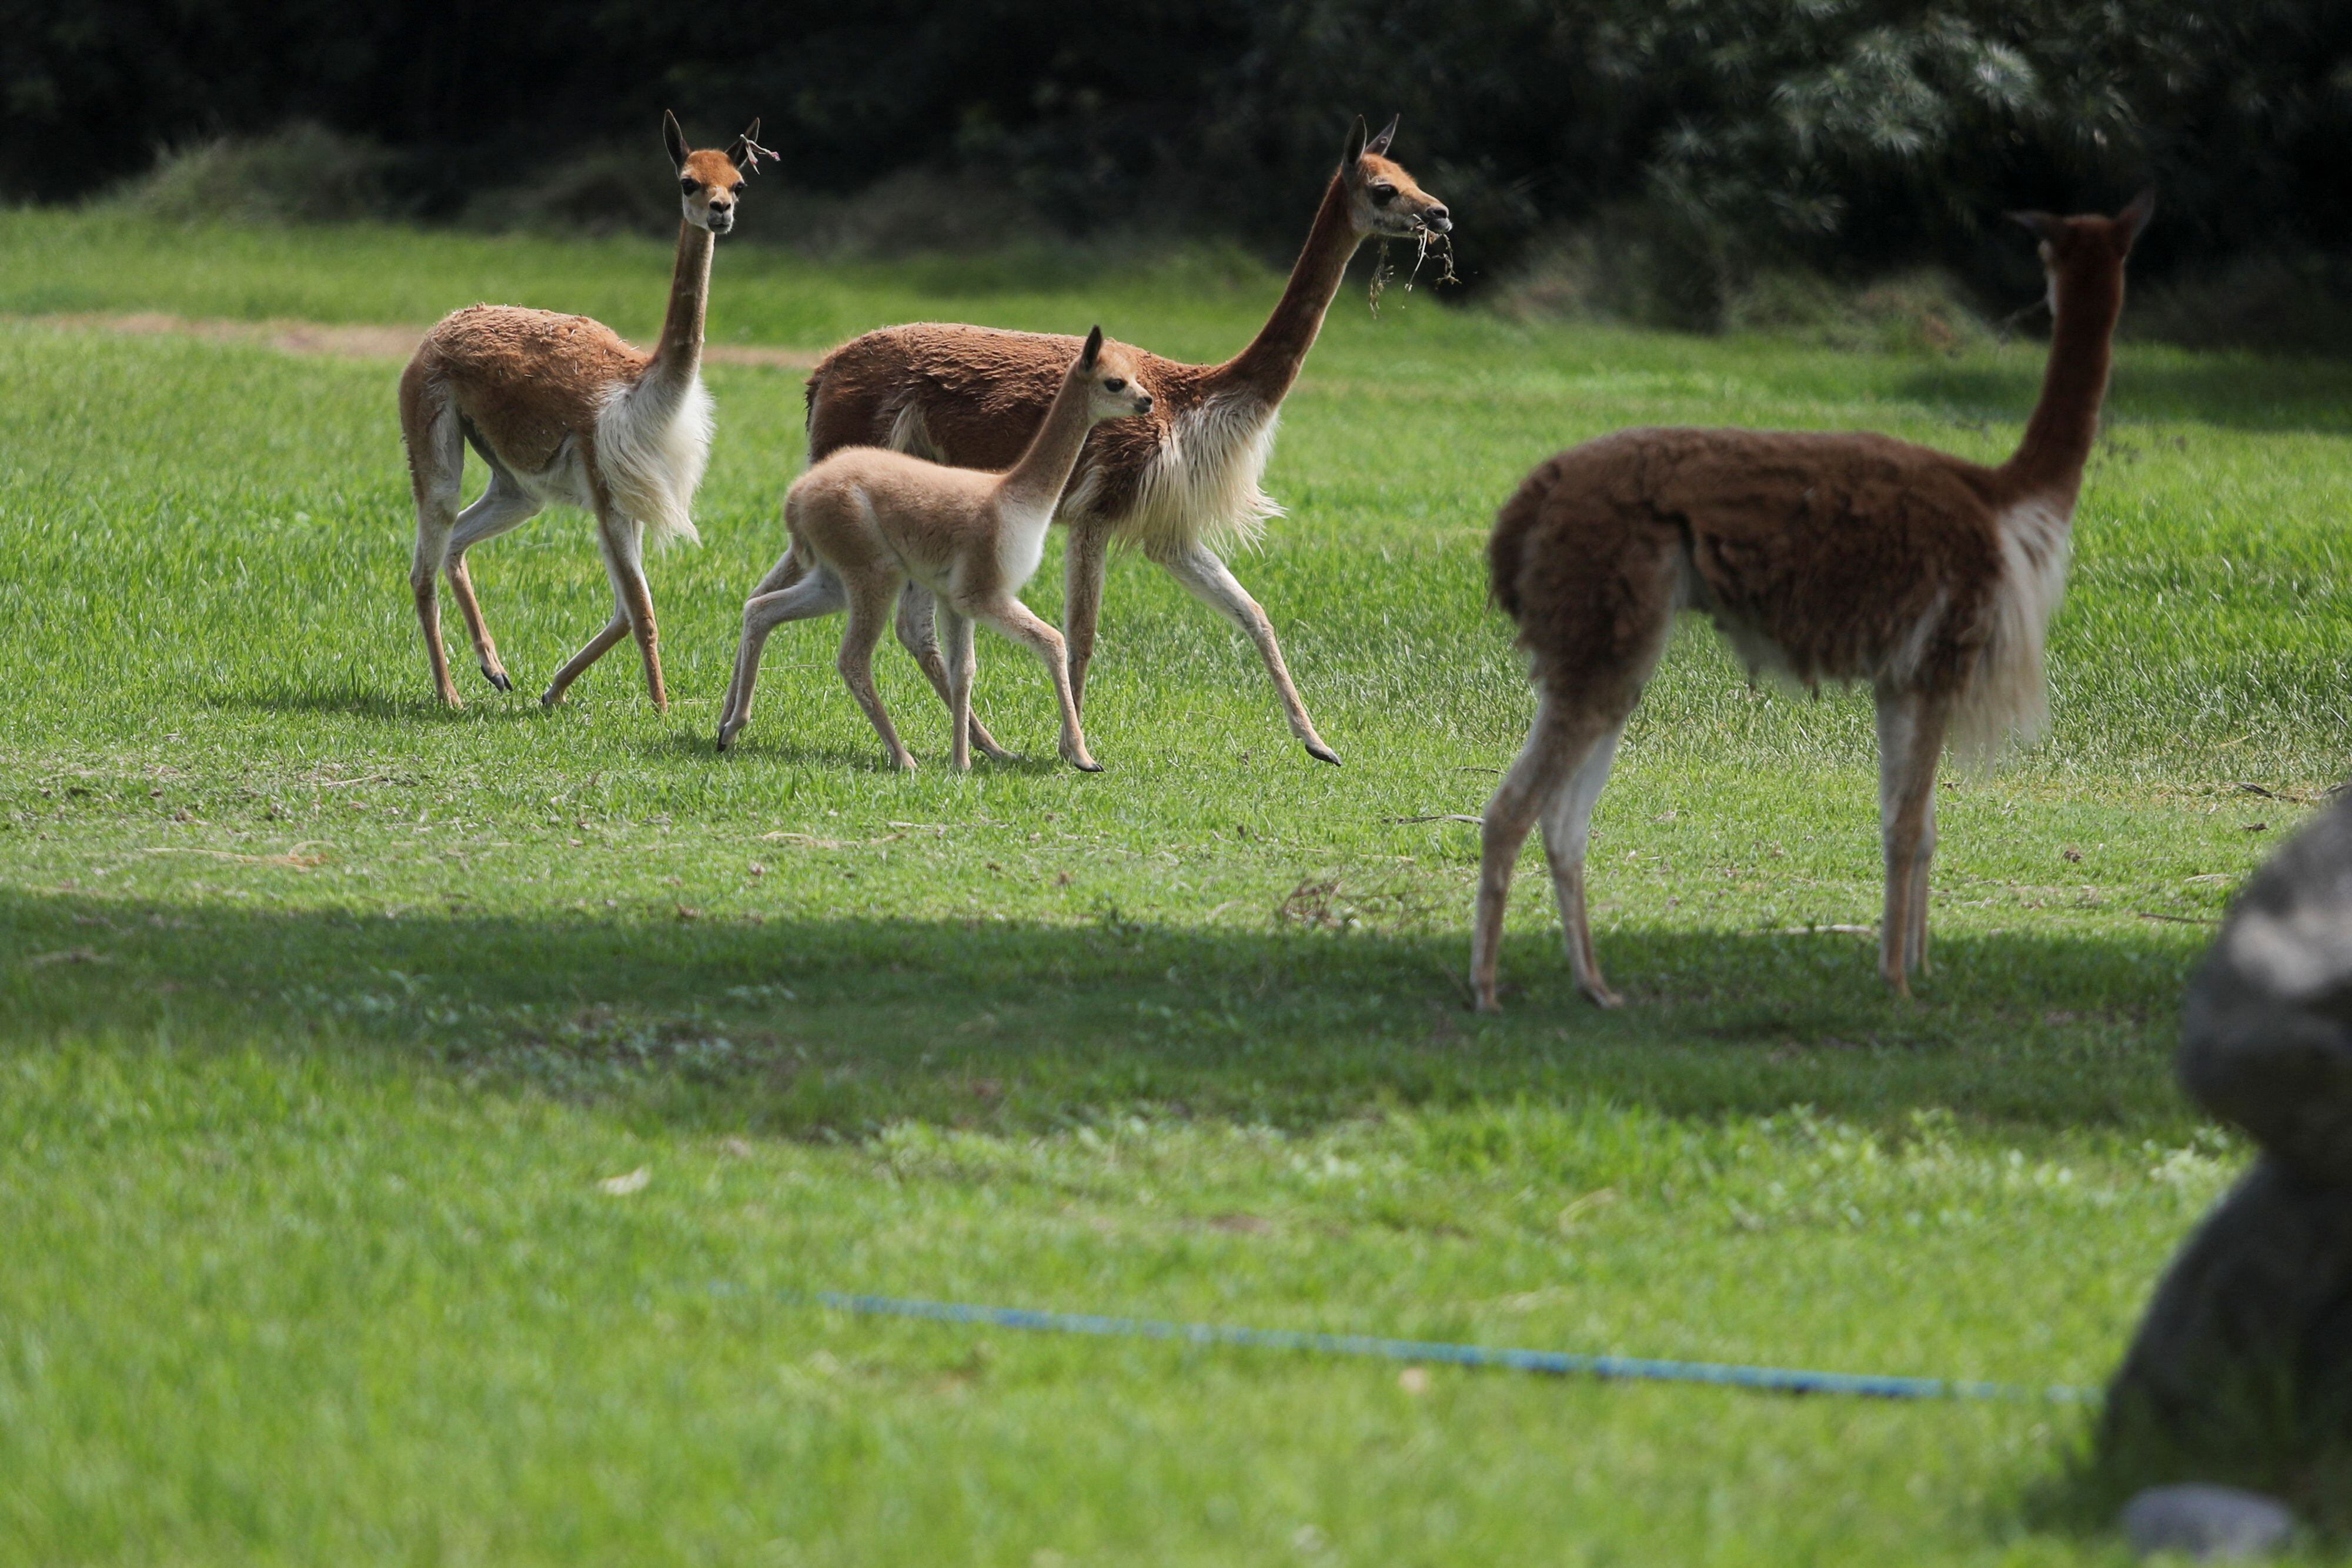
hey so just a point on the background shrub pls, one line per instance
(1687, 149)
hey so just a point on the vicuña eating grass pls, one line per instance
(871, 523)
(564, 410)
(1821, 557)
(1181, 483)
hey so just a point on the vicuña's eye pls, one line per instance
(689, 184)
(1116, 383)
(1383, 194)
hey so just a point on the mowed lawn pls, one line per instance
(327, 1017)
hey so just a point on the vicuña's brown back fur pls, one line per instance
(1847, 556)
(966, 395)
(1821, 557)
(1179, 485)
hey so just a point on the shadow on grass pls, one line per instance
(484, 703)
(701, 746)
(779, 751)
(838, 1025)
(785, 753)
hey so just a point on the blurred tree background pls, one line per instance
(1664, 155)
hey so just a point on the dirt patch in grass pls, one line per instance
(345, 340)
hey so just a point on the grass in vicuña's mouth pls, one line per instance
(325, 1013)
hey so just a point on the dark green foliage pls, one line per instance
(1854, 134)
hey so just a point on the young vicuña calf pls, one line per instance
(564, 410)
(1823, 557)
(872, 520)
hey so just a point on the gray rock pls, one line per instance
(2211, 1525)
(2242, 1369)
(2266, 1035)
(2244, 1356)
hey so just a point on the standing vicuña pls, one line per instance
(1180, 484)
(564, 410)
(1823, 557)
(871, 522)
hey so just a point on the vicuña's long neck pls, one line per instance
(1045, 465)
(2057, 442)
(1270, 364)
(678, 356)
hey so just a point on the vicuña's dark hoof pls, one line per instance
(1322, 753)
(498, 679)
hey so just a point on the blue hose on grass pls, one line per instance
(1551, 1362)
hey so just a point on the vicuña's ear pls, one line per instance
(745, 153)
(673, 139)
(1388, 133)
(1093, 349)
(2134, 217)
(1355, 148)
(2042, 225)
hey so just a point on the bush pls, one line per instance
(1633, 264)
(1913, 312)
(602, 190)
(302, 173)
(1642, 267)
(2295, 303)
(916, 212)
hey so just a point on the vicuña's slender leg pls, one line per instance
(617, 538)
(869, 617)
(1567, 831)
(505, 504)
(1562, 737)
(615, 629)
(625, 542)
(1209, 580)
(1916, 950)
(958, 629)
(1085, 562)
(1014, 619)
(597, 648)
(1910, 742)
(787, 570)
(436, 458)
(818, 594)
(918, 633)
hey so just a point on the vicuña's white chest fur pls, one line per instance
(1020, 542)
(653, 439)
(2006, 697)
(1202, 485)
(2036, 544)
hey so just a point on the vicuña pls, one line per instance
(1181, 485)
(871, 522)
(1821, 557)
(562, 410)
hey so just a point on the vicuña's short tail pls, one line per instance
(652, 443)
(2006, 702)
(1507, 547)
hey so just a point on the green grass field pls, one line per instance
(324, 1014)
